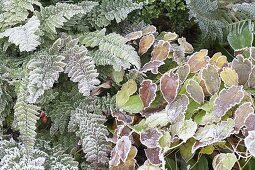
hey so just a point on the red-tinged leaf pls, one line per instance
(145, 43)
(169, 84)
(134, 35)
(153, 155)
(177, 108)
(227, 99)
(161, 51)
(44, 119)
(249, 123)
(241, 114)
(195, 91)
(211, 79)
(242, 67)
(147, 92)
(150, 29)
(152, 66)
(123, 117)
(150, 138)
(198, 60)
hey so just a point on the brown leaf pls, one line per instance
(145, 43)
(147, 92)
(242, 67)
(198, 60)
(161, 51)
(150, 29)
(99, 89)
(152, 66)
(185, 45)
(150, 138)
(211, 79)
(121, 130)
(241, 113)
(153, 155)
(227, 99)
(134, 35)
(169, 84)
(178, 54)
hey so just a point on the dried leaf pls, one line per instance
(195, 91)
(183, 72)
(198, 60)
(147, 92)
(242, 67)
(227, 99)
(249, 142)
(241, 114)
(150, 138)
(177, 108)
(152, 66)
(169, 84)
(126, 91)
(211, 79)
(229, 76)
(134, 35)
(161, 51)
(145, 43)
(188, 48)
(224, 161)
(212, 133)
(150, 29)
(153, 155)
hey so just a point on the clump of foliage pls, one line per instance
(74, 95)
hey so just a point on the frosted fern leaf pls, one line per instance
(24, 36)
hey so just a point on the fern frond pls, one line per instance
(245, 8)
(208, 17)
(44, 71)
(113, 50)
(15, 11)
(24, 36)
(25, 118)
(92, 133)
(79, 66)
(14, 156)
(53, 17)
(110, 10)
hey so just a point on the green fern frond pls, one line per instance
(113, 50)
(245, 8)
(25, 118)
(15, 11)
(207, 15)
(110, 10)
(24, 36)
(44, 71)
(53, 17)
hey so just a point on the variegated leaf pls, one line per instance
(145, 43)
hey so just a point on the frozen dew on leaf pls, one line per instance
(198, 60)
(195, 91)
(145, 43)
(152, 66)
(161, 50)
(147, 92)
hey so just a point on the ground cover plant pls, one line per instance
(95, 85)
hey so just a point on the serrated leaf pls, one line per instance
(152, 66)
(145, 43)
(219, 60)
(160, 51)
(229, 76)
(147, 92)
(211, 79)
(198, 60)
(134, 35)
(188, 48)
(153, 155)
(184, 129)
(150, 138)
(249, 142)
(195, 91)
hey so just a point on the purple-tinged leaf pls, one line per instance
(195, 91)
(161, 51)
(183, 72)
(249, 124)
(123, 147)
(251, 80)
(198, 60)
(242, 67)
(122, 117)
(211, 79)
(169, 84)
(150, 138)
(153, 155)
(227, 99)
(152, 66)
(185, 45)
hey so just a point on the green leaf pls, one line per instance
(133, 105)
(126, 91)
(241, 35)
(186, 149)
(202, 164)
(224, 161)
